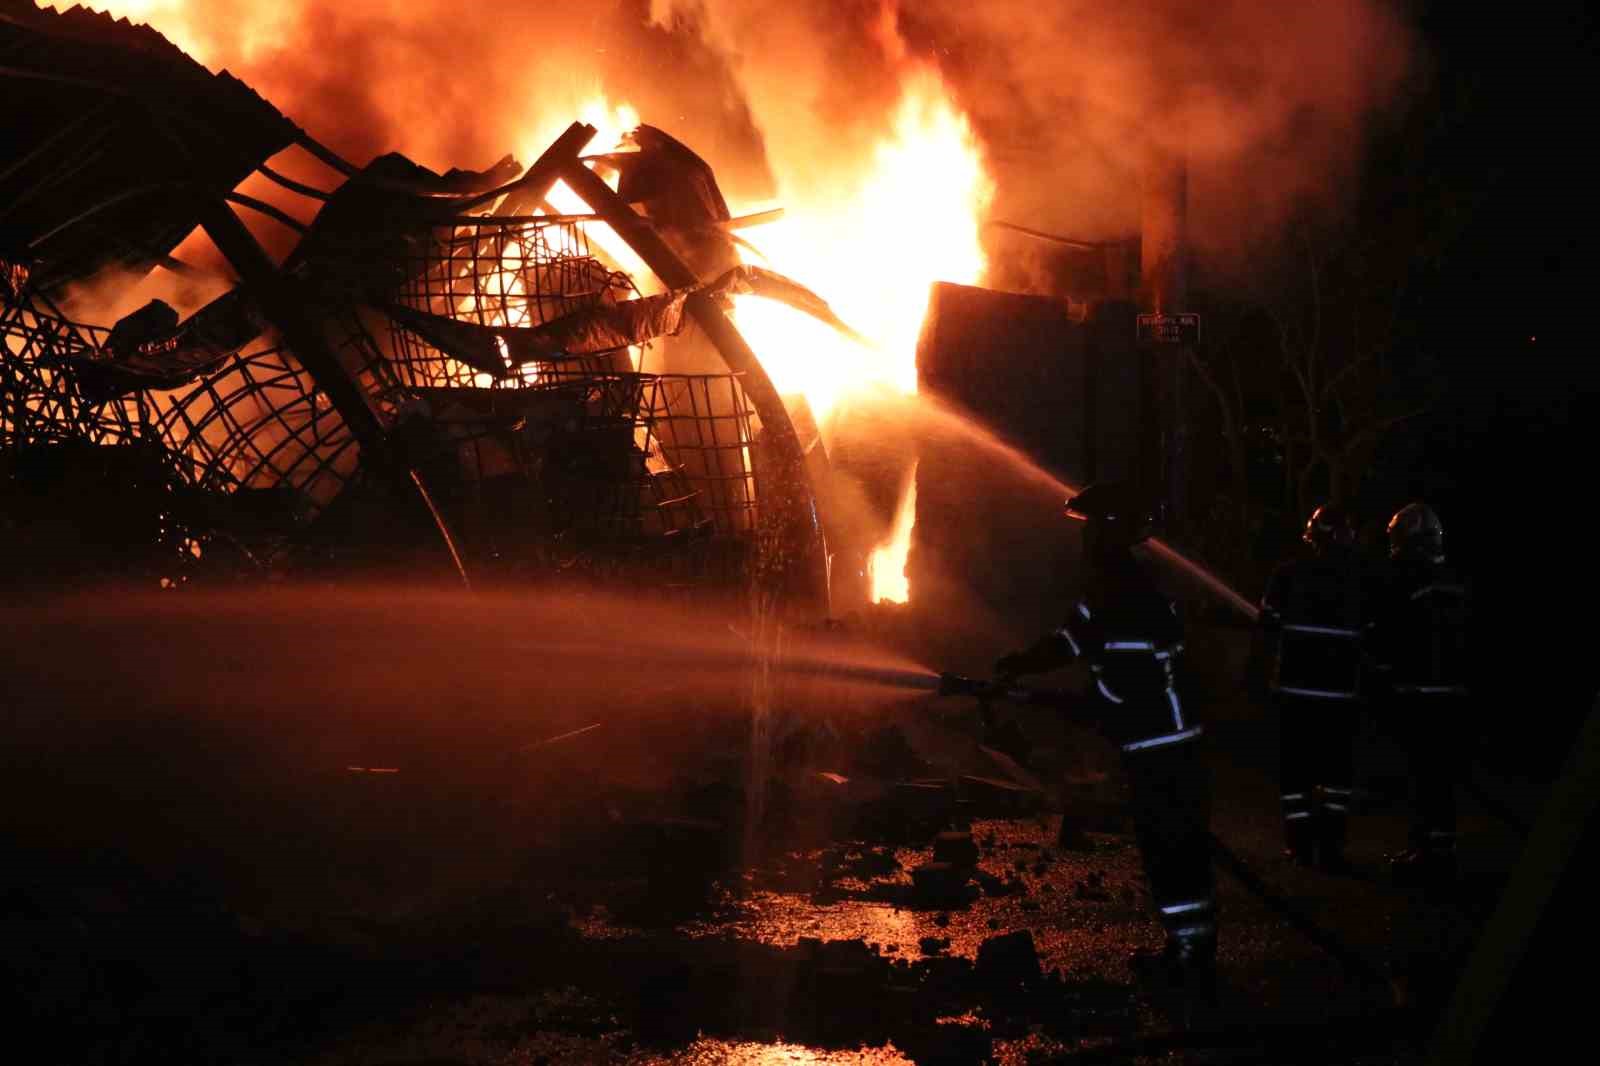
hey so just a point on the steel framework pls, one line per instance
(42, 399)
(255, 421)
(375, 342)
(497, 272)
(627, 458)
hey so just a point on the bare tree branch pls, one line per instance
(1376, 429)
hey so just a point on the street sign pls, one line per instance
(1169, 329)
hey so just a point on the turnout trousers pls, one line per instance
(1432, 729)
(1316, 770)
(1171, 808)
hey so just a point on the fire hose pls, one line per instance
(987, 692)
(1330, 1040)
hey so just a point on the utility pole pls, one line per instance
(1166, 328)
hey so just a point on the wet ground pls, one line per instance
(401, 829)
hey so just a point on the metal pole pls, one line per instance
(527, 193)
(1163, 262)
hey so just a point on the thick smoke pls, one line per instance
(821, 78)
(114, 292)
(460, 85)
(1269, 101)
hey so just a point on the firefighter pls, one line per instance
(1131, 637)
(1308, 661)
(1420, 648)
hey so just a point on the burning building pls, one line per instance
(455, 345)
(586, 366)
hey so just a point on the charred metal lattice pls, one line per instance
(516, 272)
(621, 456)
(405, 343)
(256, 421)
(43, 398)
(259, 422)
(702, 424)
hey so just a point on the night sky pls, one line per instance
(1506, 455)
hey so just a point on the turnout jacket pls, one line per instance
(1419, 640)
(1131, 637)
(1314, 622)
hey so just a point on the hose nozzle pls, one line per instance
(956, 685)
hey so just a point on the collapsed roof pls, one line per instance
(111, 130)
(411, 293)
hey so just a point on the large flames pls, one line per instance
(871, 238)
(872, 247)
(887, 565)
(871, 243)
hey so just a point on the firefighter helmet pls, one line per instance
(1329, 527)
(1120, 514)
(1415, 532)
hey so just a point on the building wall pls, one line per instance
(1064, 392)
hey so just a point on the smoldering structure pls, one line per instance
(444, 364)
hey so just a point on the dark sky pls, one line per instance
(1518, 74)
(1507, 298)
(1510, 455)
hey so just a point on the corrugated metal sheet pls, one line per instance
(107, 133)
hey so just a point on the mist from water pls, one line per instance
(930, 418)
(412, 661)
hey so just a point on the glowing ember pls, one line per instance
(887, 565)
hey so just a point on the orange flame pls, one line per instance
(610, 121)
(251, 28)
(870, 236)
(871, 244)
(887, 564)
(873, 249)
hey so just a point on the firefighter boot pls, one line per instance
(1300, 839)
(1185, 967)
(1332, 829)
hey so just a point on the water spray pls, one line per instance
(942, 417)
(990, 691)
(891, 677)
(1223, 591)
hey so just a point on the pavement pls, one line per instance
(258, 852)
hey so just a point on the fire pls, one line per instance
(192, 28)
(610, 121)
(869, 233)
(887, 565)
(871, 242)
(873, 249)
(872, 245)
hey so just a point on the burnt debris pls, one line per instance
(442, 368)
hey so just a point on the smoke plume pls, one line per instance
(453, 84)
(1268, 100)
